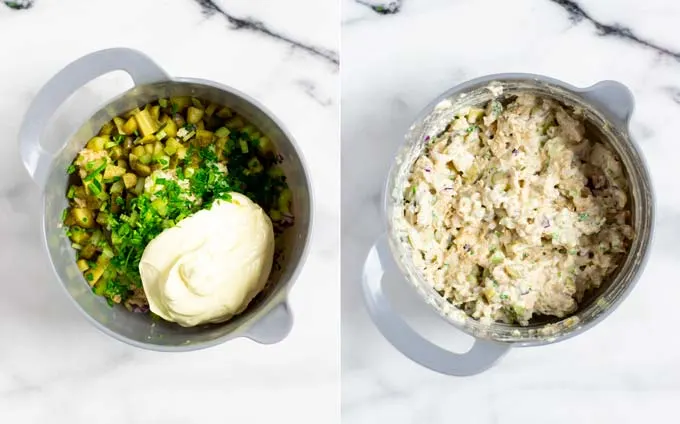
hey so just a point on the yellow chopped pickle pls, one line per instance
(151, 167)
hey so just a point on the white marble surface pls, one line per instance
(625, 370)
(54, 366)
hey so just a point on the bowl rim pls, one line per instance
(624, 126)
(280, 297)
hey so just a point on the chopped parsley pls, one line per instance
(96, 172)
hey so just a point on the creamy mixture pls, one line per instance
(210, 265)
(513, 212)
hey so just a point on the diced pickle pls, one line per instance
(116, 152)
(146, 123)
(97, 143)
(130, 126)
(275, 215)
(235, 123)
(497, 258)
(171, 146)
(100, 288)
(224, 113)
(82, 265)
(107, 128)
(80, 236)
(194, 115)
(113, 171)
(474, 114)
(210, 109)
(102, 218)
(197, 103)
(170, 128)
(147, 139)
(120, 125)
(204, 137)
(129, 180)
(284, 200)
(157, 149)
(181, 152)
(489, 293)
(161, 206)
(264, 145)
(222, 132)
(145, 159)
(93, 275)
(155, 112)
(116, 187)
(142, 169)
(87, 252)
(254, 166)
(83, 217)
(513, 271)
(275, 172)
(180, 103)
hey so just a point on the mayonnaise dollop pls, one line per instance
(209, 266)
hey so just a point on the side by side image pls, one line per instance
(339, 211)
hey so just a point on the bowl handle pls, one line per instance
(273, 327)
(480, 357)
(613, 97)
(36, 159)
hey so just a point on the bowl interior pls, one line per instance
(597, 303)
(139, 329)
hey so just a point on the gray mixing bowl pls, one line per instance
(268, 318)
(607, 108)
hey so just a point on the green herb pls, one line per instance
(89, 276)
(71, 192)
(95, 187)
(94, 173)
(119, 138)
(71, 169)
(504, 296)
(163, 103)
(583, 216)
(64, 214)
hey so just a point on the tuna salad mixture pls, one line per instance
(512, 212)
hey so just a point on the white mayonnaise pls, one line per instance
(210, 265)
